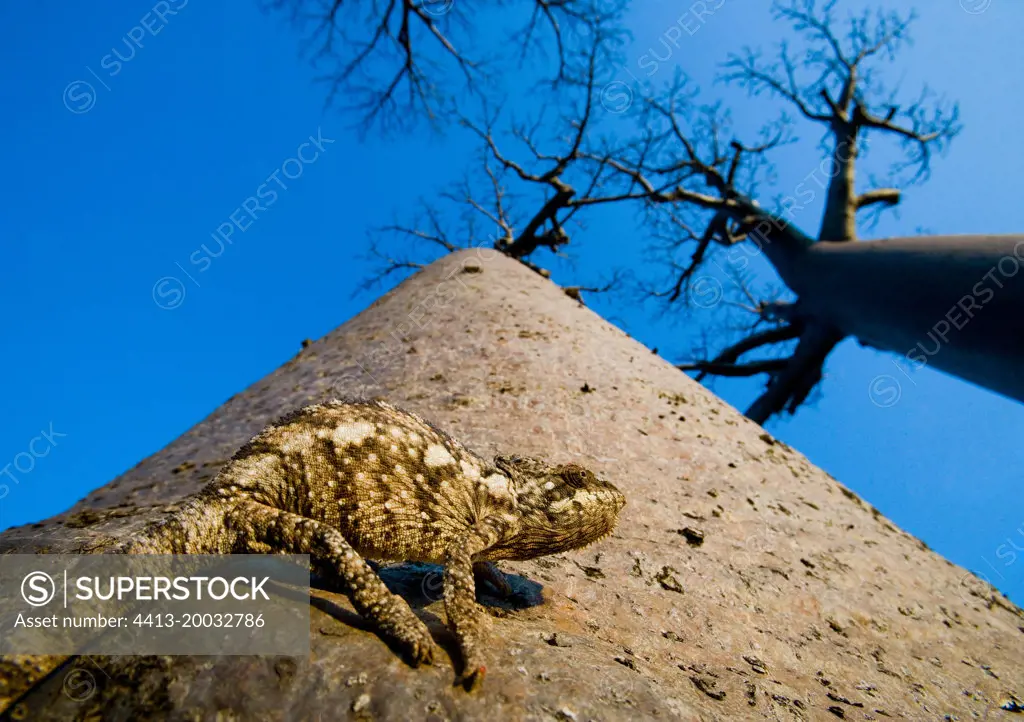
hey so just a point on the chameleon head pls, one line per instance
(560, 507)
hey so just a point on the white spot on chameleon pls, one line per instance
(584, 497)
(262, 468)
(360, 475)
(437, 455)
(394, 447)
(413, 452)
(497, 484)
(354, 433)
(294, 441)
(371, 457)
(419, 478)
(396, 432)
(549, 486)
(470, 470)
(399, 469)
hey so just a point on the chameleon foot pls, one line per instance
(473, 678)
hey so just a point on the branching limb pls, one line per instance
(576, 292)
(832, 84)
(396, 61)
(694, 182)
(790, 386)
(923, 131)
(778, 78)
(887, 196)
(386, 263)
(750, 368)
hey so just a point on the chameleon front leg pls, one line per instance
(263, 528)
(466, 618)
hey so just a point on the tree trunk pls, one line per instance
(952, 302)
(839, 221)
(742, 583)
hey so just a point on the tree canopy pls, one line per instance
(698, 187)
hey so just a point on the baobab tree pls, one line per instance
(949, 302)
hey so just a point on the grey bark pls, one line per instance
(955, 303)
(743, 582)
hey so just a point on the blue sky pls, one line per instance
(102, 206)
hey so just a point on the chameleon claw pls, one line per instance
(474, 680)
(421, 653)
(488, 572)
(500, 583)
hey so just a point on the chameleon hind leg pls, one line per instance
(262, 527)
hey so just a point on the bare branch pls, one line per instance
(391, 60)
(790, 386)
(923, 132)
(757, 340)
(694, 183)
(576, 292)
(747, 72)
(386, 266)
(751, 368)
(887, 196)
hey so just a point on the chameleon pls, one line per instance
(354, 482)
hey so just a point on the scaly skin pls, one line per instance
(350, 481)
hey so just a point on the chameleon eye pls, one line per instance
(575, 476)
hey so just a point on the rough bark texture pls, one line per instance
(743, 582)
